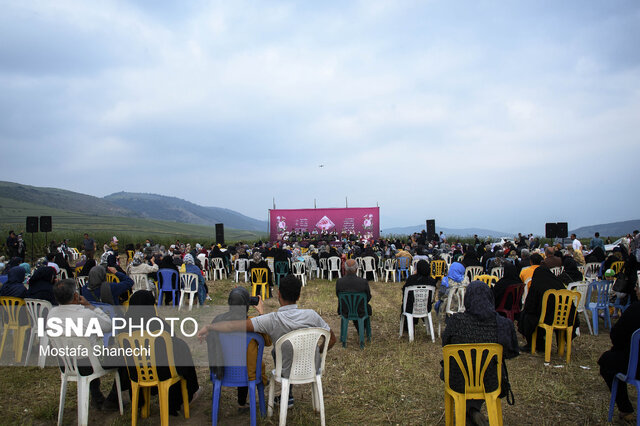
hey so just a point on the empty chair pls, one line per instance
(422, 294)
(299, 272)
(282, 270)
(241, 266)
(37, 309)
(402, 267)
(305, 345)
(72, 373)
(334, 264)
(234, 353)
(188, 287)
(603, 289)
(369, 266)
(473, 361)
(562, 323)
(168, 280)
(14, 319)
(513, 298)
(471, 271)
(497, 271)
(217, 268)
(351, 302)
(390, 269)
(260, 277)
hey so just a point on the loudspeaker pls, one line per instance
(45, 223)
(431, 228)
(219, 233)
(562, 230)
(32, 223)
(551, 230)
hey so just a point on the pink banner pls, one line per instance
(355, 220)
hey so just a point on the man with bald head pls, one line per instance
(351, 283)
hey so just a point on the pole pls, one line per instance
(32, 256)
(346, 202)
(314, 203)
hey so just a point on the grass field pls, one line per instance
(391, 381)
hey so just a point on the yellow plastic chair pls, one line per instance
(437, 269)
(77, 271)
(147, 372)
(473, 361)
(112, 278)
(130, 254)
(260, 278)
(489, 280)
(617, 266)
(11, 308)
(563, 302)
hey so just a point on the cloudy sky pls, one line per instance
(478, 114)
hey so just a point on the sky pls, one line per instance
(497, 115)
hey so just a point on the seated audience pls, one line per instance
(351, 283)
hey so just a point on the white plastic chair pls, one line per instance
(360, 270)
(241, 266)
(204, 262)
(446, 257)
(369, 265)
(188, 285)
(71, 374)
(389, 268)
(526, 289)
(591, 271)
(312, 265)
(140, 282)
(582, 287)
(498, 272)
(421, 296)
(472, 271)
(217, 267)
(323, 267)
(304, 343)
(414, 264)
(300, 272)
(556, 271)
(81, 282)
(62, 275)
(37, 309)
(456, 291)
(334, 263)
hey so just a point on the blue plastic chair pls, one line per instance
(630, 377)
(282, 270)
(168, 280)
(487, 263)
(4, 279)
(402, 267)
(352, 301)
(234, 347)
(603, 288)
(109, 310)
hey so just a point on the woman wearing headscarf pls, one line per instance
(88, 265)
(14, 287)
(509, 278)
(421, 277)
(259, 262)
(167, 263)
(41, 284)
(99, 290)
(62, 263)
(571, 273)
(238, 310)
(141, 308)
(112, 262)
(479, 323)
(470, 258)
(191, 268)
(543, 279)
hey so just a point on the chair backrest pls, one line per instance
(282, 267)
(352, 301)
(421, 296)
(234, 353)
(37, 309)
(305, 345)
(217, 263)
(591, 271)
(617, 266)
(298, 268)
(77, 271)
(603, 288)
(204, 262)
(112, 278)
(403, 263)
(189, 282)
(241, 265)
(311, 263)
(472, 271)
(82, 281)
(437, 268)
(323, 263)
(368, 263)
(62, 275)
(446, 257)
(259, 275)
(473, 361)
(582, 288)
(514, 294)
(632, 369)
(140, 282)
(563, 299)
(270, 263)
(168, 279)
(497, 271)
(11, 307)
(390, 265)
(70, 363)
(146, 362)
(334, 263)
(556, 271)
(456, 293)
(489, 280)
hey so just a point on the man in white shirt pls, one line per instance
(577, 245)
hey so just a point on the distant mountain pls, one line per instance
(161, 207)
(615, 229)
(463, 232)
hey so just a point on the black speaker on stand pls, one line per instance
(431, 229)
(563, 229)
(219, 233)
(551, 230)
(45, 226)
(32, 227)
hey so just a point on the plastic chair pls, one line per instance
(11, 308)
(472, 271)
(37, 309)
(352, 301)
(217, 268)
(402, 267)
(513, 293)
(556, 271)
(81, 282)
(334, 263)
(111, 278)
(473, 362)
(489, 280)
(312, 266)
(369, 265)
(241, 266)
(630, 377)
(300, 272)
(591, 271)
(130, 254)
(602, 304)
(188, 286)
(62, 275)
(260, 278)
(147, 374)
(323, 267)
(563, 301)
(304, 369)
(497, 272)
(204, 262)
(390, 268)
(446, 257)
(71, 373)
(438, 269)
(234, 351)
(168, 280)
(617, 266)
(282, 270)
(421, 296)
(77, 271)
(109, 310)
(140, 282)
(582, 288)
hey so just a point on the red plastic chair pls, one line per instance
(514, 292)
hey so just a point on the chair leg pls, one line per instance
(448, 409)
(614, 391)
(163, 401)
(410, 327)
(4, 337)
(361, 332)
(586, 317)
(401, 325)
(548, 340)
(63, 394)
(595, 321)
(215, 405)
(320, 399)
(272, 387)
(185, 398)
(252, 401)
(569, 338)
(32, 335)
(44, 342)
(534, 339)
(284, 401)
(344, 328)
(83, 401)
(433, 338)
(461, 410)
(146, 409)
(135, 397)
(260, 386)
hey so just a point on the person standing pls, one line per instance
(577, 245)
(596, 241)
(12, 245)
(89, 246)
